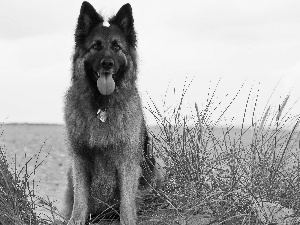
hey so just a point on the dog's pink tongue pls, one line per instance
(106, 84)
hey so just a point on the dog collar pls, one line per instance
(102, 115)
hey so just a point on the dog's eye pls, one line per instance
(115, 46)
(96, 46)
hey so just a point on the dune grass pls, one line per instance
(18, 202)
(210, 178)
(221, 176)
(15, 208)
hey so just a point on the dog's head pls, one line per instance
(107, 52)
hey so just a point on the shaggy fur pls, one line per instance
(107, 158)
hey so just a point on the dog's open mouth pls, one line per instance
(106, 73)
(105, 82)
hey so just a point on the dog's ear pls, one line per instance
(87, 20)
(124, 20)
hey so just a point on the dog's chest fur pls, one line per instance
(122, 126)
(104, 186)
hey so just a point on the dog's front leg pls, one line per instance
(129, 173)
(81, 191)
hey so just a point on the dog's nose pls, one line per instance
(107, 64)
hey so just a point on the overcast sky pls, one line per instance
(254, 41)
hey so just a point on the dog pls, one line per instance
(106, 132)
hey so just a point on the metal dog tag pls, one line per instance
(102, 115)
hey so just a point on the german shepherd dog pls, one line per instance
(106, 131)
